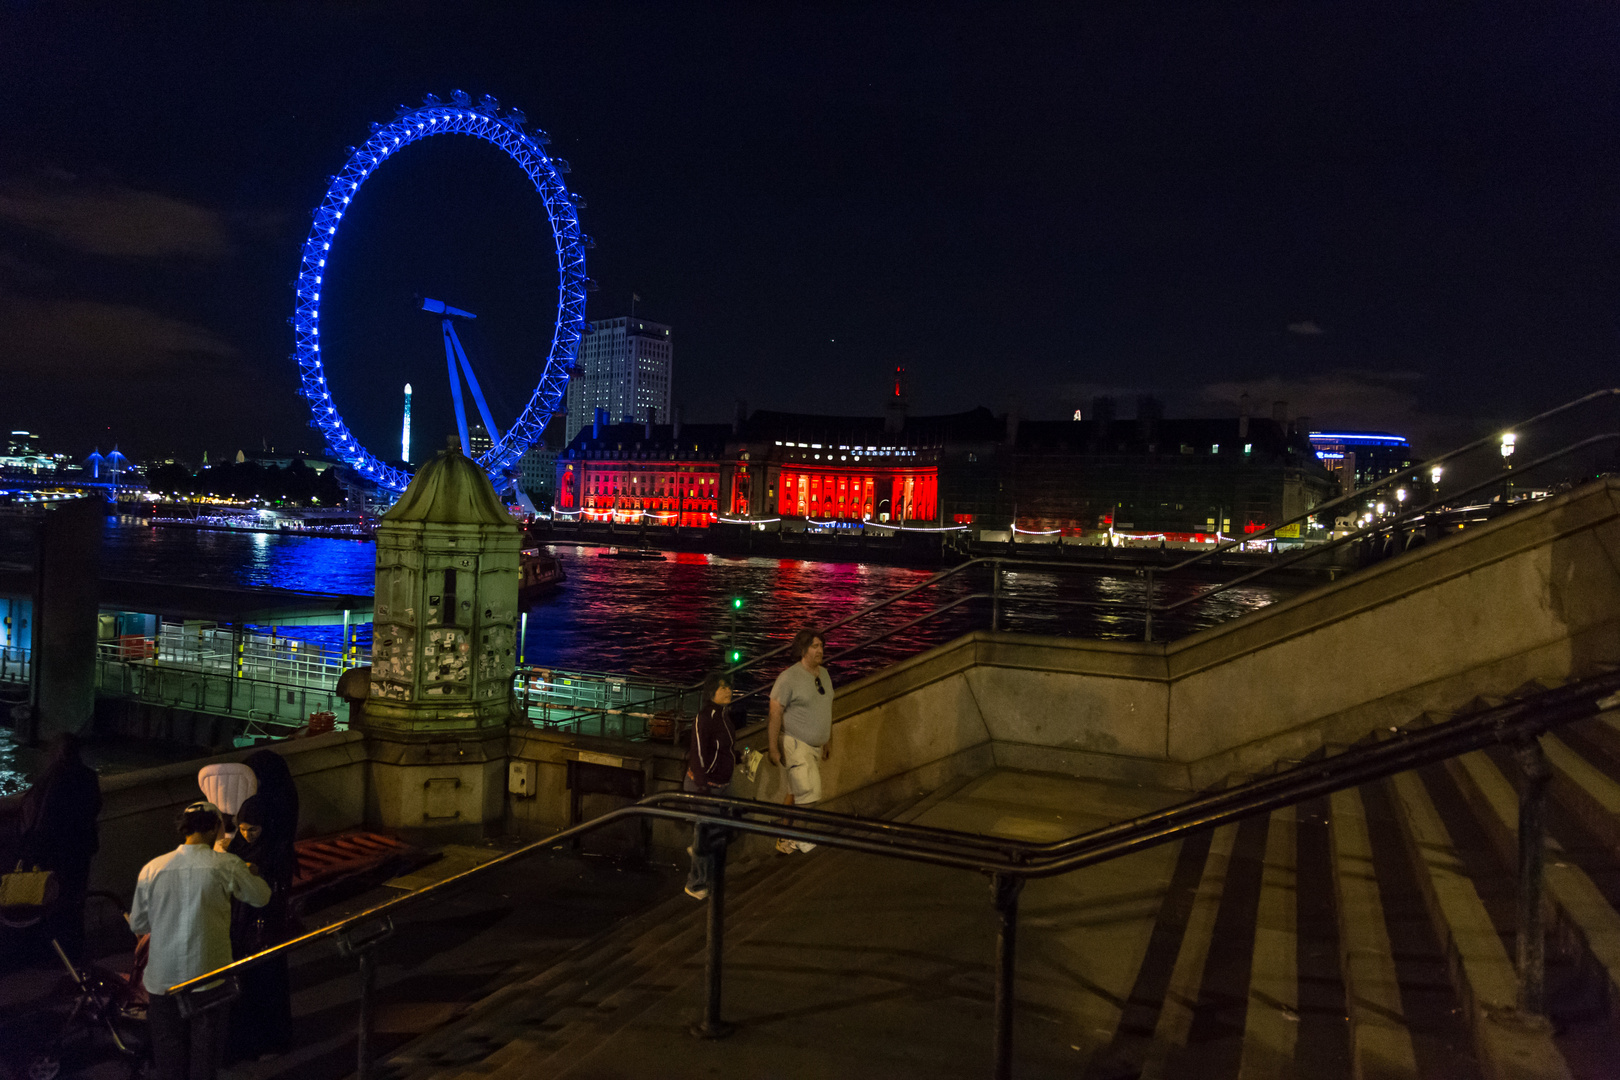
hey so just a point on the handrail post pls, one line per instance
(368, 1014)
(1004, 890)
(1147, 608)
(711, 1026)
(361, 943)
(1532, 956)
(995, 595)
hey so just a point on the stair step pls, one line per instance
(570, 997)
(1380, 1044)
(1603, 733)
(1214, 1042)
(1508, 1045)
(1589, 793)
(1584, 913)
(1271, 1029)
(1181, 996)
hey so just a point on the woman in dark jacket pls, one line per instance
(710, 760)
(261, 1020)
(59, 832)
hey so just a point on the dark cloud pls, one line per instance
(77, 340)
(112, 220)
(1305, 328)
(1336, 398)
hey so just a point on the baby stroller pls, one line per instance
(104, 1002)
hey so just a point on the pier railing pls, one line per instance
(1009, 863)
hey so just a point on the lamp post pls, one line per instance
(1509, 441)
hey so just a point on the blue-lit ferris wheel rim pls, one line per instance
(459, 117)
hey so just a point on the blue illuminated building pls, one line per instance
(1358, 458)
(527, 149)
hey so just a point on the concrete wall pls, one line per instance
(1533, 596)
(139, 808)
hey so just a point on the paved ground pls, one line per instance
(835, 963)
(841, 964)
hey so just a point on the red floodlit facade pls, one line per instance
(844, 470)
(634, 473)
(858, 494)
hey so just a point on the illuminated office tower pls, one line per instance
(625, 367)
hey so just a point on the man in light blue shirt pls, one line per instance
(183, 899)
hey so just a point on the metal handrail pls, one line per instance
(1007, 861)
(999, 561)
(1392, 478)
(1394, 520)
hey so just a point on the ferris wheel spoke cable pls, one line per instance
(527, 150)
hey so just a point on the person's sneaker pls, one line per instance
(806, 846)
(700, 893)
(785, 846)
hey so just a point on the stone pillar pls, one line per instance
(444, 644)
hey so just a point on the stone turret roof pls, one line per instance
(450, 490)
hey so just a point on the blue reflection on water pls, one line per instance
(670, 619)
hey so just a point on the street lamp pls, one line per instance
(1434, 476)
(1508, 441)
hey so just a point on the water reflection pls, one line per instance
(671, 619)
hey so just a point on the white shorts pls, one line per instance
(803, 764)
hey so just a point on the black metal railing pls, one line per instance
(1401, 517)
(1009, 863)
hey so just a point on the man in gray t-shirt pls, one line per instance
(801, 725)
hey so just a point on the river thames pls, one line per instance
(670, 619)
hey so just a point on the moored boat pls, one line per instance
(539, 573)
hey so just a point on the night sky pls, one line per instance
(1396, 216)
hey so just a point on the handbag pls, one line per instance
(28, 888)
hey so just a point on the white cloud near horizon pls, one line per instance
(74, 340)
(113, 220)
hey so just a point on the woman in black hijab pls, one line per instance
(278, 793)
(261, 1020)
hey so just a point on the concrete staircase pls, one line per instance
(1368, 934)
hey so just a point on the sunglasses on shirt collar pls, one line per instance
(819, 688)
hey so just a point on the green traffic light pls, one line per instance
(736, 655)
(736, 601)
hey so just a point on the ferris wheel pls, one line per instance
(526, 147)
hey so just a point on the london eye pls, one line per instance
(510, 133)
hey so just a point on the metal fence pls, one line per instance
(594, 703)
(16, 665)
(270, 708)
(276, 682)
